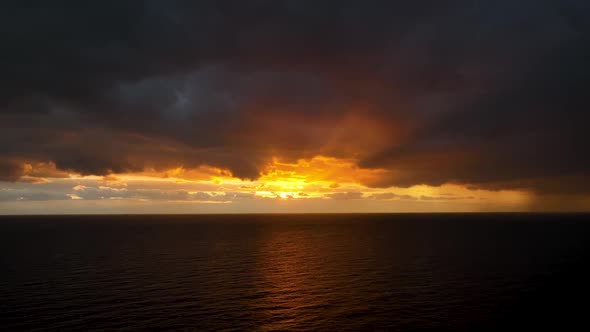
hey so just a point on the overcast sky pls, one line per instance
(294, 106)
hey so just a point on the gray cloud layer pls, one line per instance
(491, 94)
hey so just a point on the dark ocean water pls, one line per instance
(295, 272)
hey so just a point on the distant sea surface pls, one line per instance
(295, 272)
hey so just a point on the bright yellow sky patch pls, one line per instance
(319, 184)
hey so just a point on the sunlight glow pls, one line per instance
(340, 183)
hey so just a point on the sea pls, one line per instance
(297, 272)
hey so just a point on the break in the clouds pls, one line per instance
(486, 94)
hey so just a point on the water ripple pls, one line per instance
(348, 272)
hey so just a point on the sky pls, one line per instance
(294, 106)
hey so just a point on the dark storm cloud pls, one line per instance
(491, 94)
(10, 170)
